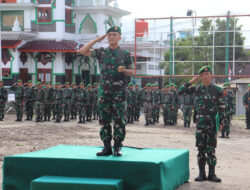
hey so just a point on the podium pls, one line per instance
(137, 169)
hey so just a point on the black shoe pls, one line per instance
(202, 172)
(222, 136)
(45, 119)
(107, 150)
(49, 118)
(211, 176)
(80, 120)
(147, 123)
(117, 147)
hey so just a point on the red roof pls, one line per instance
(10, 43)
(49, 46)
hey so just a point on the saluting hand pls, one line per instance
(121, 69)
(101, 38)
(193, 80)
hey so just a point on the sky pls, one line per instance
(167, 8)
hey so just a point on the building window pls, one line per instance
(68, 2)
(68, 16)
(138, 67)
(156, 67)
(151, 67)
(44, 1)
(6, 72)
(88, 26)
(44, 15)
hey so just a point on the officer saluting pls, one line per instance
(115, 65)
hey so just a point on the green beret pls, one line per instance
(73, 83)
(205, 69)
(29, 81)
(248, 85)
(136, 84)
(96, 83)
(114, 29)
(227, 84)
(130, 84)
(156, 84)
(39, 83)
(167, 86)
(81, 83)
(44, 86)
(58, 83)
(67, 83)
(172, 84)
(89, 85)
(148, 84)
(19, 80)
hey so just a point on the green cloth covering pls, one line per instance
(205, 69)
(114, 29)
(144, 169)
(75, 183)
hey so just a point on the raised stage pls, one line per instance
(145, 169)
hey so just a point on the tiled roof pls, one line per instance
(10, 43)
(49, 46)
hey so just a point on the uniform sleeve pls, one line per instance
(97, 53)
(245, 99)
(128, 61)
(185, 88)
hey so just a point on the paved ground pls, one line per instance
(233, 154)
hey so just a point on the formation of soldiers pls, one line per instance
(52, 101)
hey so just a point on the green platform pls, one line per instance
(146, 169)
(75, 183)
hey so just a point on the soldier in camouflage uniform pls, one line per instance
(89, 103)
(95, 101)
(231, 99)
(207, 102)
(48, 102)
(19, 99)
(246, 102)
(138, 96)
(187, 103)
(81, 102)
(73, 101)
(3, 100)
(30, 97)
(156, 108)
(58, 96)
(167, 105)
(40, 101)
(148, 104)
(130, 99)
(226, 112)
(176, 104)
(66, 101)
(53, 101)
(115, 65)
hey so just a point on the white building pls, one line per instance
(40, 38)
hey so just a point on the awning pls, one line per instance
(10, 43)
(49, 46)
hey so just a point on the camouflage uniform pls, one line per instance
(58, 95)
(246, 102)
(156, 108)
(95, 103)
(19, 99)
(53, 103)
(73, 103)
(207, 102)
(66, 103)
(48, 103)
(147, 106)
(30, 97)
(138, 96)
(130, 99)
(174, 112)
(3, 100)
(90, 100)
(40, 103)
(111, 91)
(81, 104)
(167, 100)
(187, 106)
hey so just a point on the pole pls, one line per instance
(1, 73)
(171, 47)
(227, 46)
(193, 50)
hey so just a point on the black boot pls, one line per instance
(45, 118)
(227, 134)
(202, 172)
(27, 119)
(37, 119)
(107, 150)
(80, 120)
(147, 123)
(48, 118)
(222, 135)
(117, 147)
(188, 124)
(211, 176)
(185, 124)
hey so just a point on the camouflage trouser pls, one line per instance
(156, 111)
(225, 122)
(112, 106)
(166, 113)
(187, 113)
(58, 110)
(39, 110)
(19, 108)
(81, 110)
(147, 110)
(206, 140)
(66, 108)
(73, 109)
(89, 110)
(47, 110)
(137, 110)
(2, 107)
(29, 108)
(248, 118)
(130, 111)
(95, 110)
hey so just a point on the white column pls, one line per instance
(59, 14)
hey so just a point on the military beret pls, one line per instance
(130, 84)
(67, 83)
(205, 69)
(19, 80)
(47, 83)
(44, 86)
(148, 84)
(156, 84)
(29, 81)
(248, 85)
(227, 84)
(73, 83)
(167, 86)
(81, 83)
(96, 83)
(89, 85)
(39, 83)
(172, 84)
(136, 84)
(58, 83)
(114, 29)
